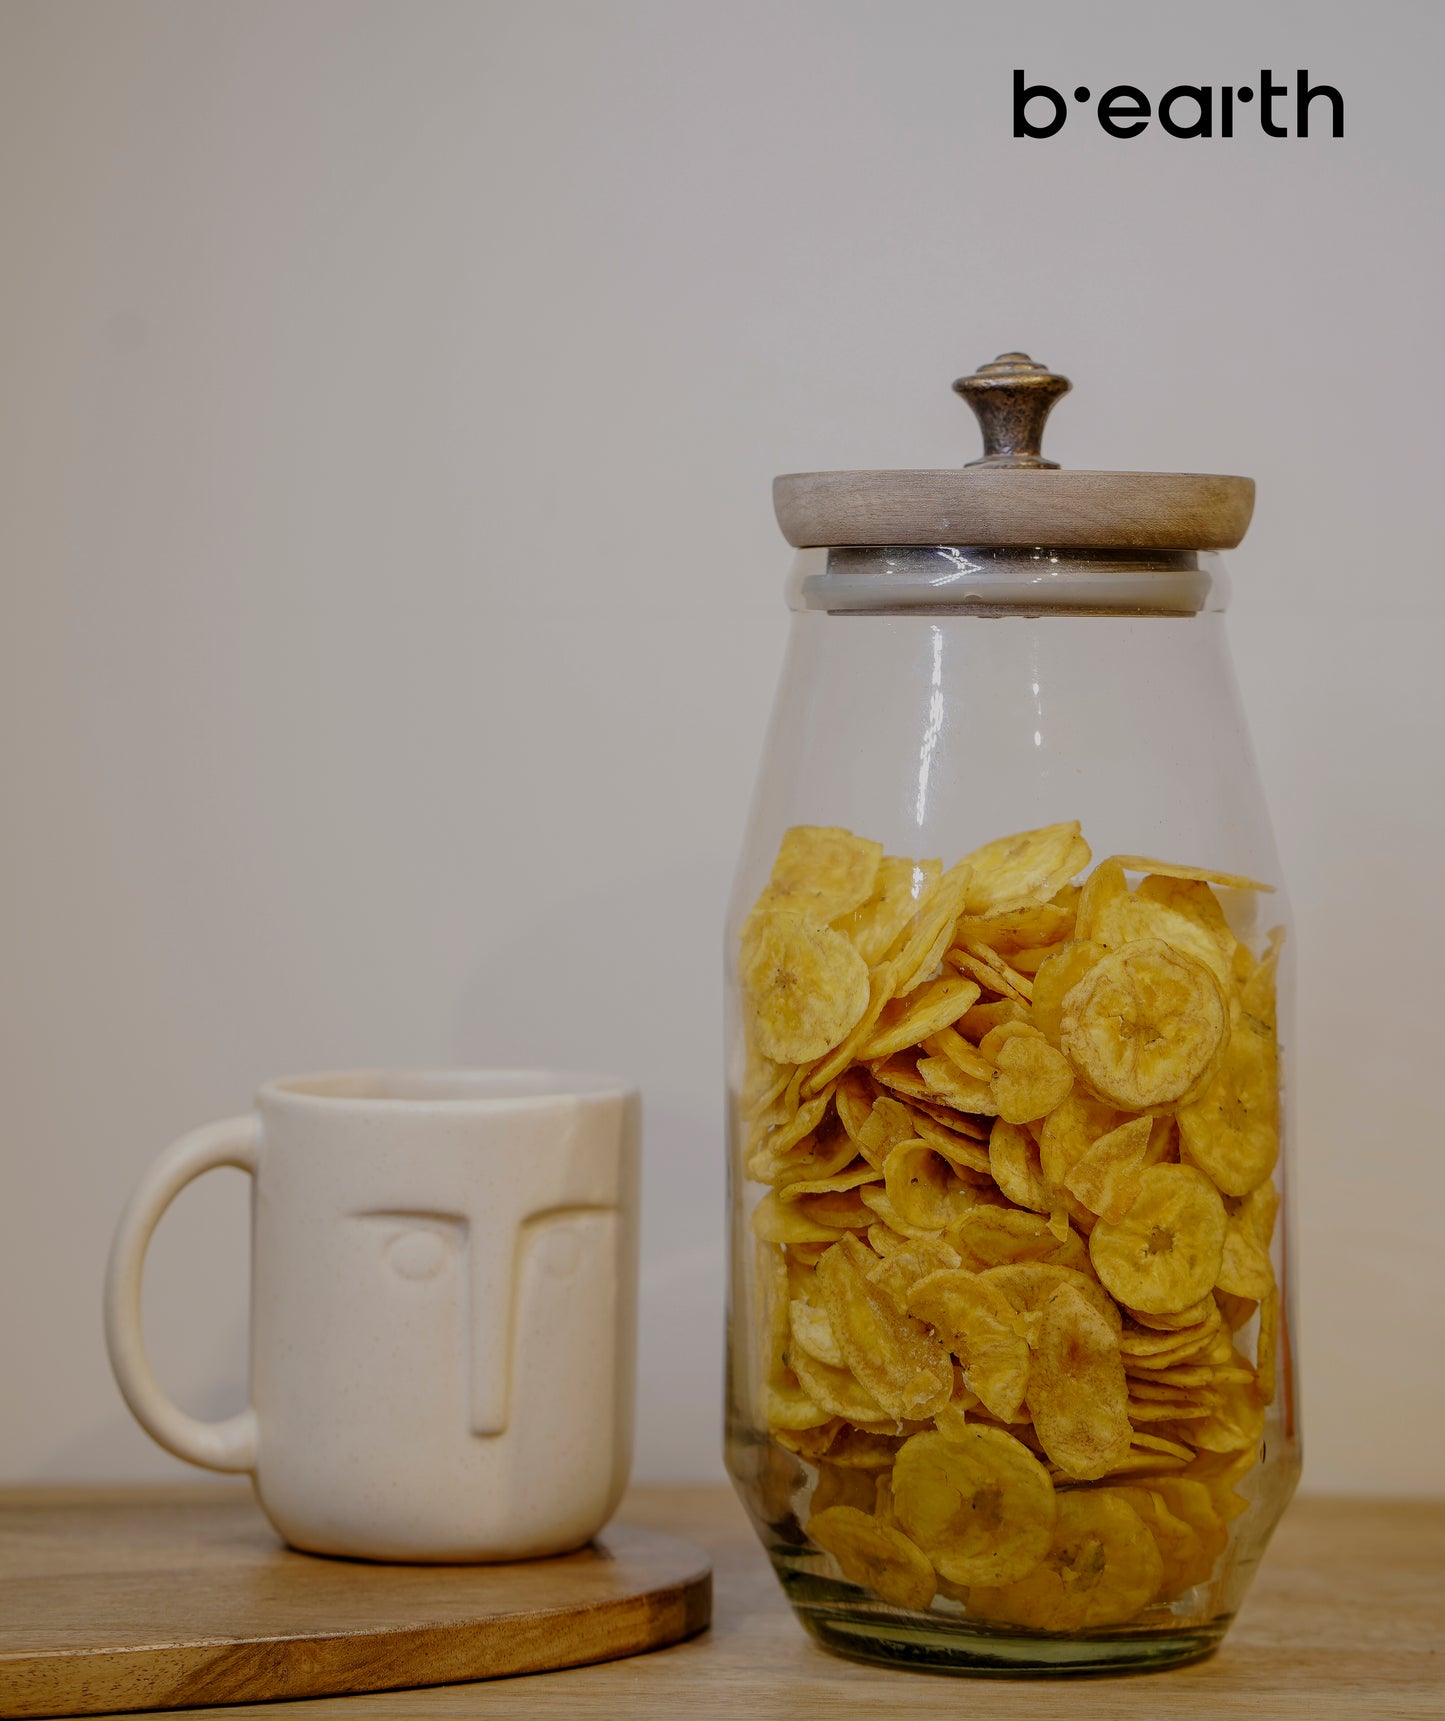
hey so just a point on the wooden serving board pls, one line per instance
(162, 1599)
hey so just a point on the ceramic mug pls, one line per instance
(443, 1309)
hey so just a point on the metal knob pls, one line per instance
(1011, 399)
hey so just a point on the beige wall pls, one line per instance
(389, 395)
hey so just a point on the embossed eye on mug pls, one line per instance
(443, 1309)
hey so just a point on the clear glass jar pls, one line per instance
(1009, 1380)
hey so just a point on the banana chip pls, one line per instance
(895, 1358)
(971, 1060)
(874, 1555)
(1180, 1550)
(822, 872)
(1203, 874)
(805, 984)
(1144, 1025)
(1164, 1255)
(909, 1021)
(1054, 979)
(1031, 1079)
(1013, 1159)
(898, 889)
(840, 1486)
(924, 1188)
(976, 1501)
(1076, 1389)
(899, 1272)
(1100, 1567)
(981, 1327)
(1032, 865)
(1231, 1131)
(1183, 914)
(943, 1080)
(1108, 1176)
(996, 1235)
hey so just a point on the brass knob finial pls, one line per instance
(1011, 398)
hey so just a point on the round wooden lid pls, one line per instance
(1012, 495)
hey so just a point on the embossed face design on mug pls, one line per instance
(443, 1310)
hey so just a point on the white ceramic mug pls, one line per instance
(443, 1309)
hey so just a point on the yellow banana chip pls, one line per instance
(1245, 1269)
(1013, 1157)
(948, 1043)
(834, 1390)
(917, 954)
(1108, 1176)
(1024, 927)
(1101, 1567)
(960, 1152)
(1164, 1254)
(944, 1081)
(1076, 1390)
(1054, 979)
(811, 1331)
(822, 872)
(854, 1174)
(1070, 1129)
(1204, 874)
(976, 1501)
(874, 1555)
(1144, 1025)
(841, 1208)
(1028, 1285)
(898, 889)
(1030, 864)
(1231, 1131)
(888, 1123)
(853, 1100)
(839, 1485)
(1031, 1079)
(981, 1327)
(805, 985)
(894, 1357)
(899, 1272)
(1183, 914)
(777, 1221)
(1180, 1550)
(1191, 1502)
(1266, 1347)
(825, 1071)
(909, 1021)
(924, 1188)
(1256, 995)
(997, 1235)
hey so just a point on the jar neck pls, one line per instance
(995, 580)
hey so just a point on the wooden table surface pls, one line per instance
(1346, 1618)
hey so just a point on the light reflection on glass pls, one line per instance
(935, 724)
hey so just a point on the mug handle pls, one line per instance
(225, 1445)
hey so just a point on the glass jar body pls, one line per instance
(964, 1440)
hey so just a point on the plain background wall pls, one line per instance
(389, 395)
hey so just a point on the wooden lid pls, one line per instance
(1012, 495)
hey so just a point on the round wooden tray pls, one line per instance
(167, 1600)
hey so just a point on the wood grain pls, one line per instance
(1346, 1619)
(114, 1601)
(1064, 510)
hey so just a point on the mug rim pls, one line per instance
(366, 1088)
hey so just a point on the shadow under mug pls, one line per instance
(443, 1309)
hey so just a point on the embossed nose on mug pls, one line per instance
(443, 1309)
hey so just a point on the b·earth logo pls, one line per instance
(1188, 110)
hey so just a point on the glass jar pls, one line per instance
(1009, 1378)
